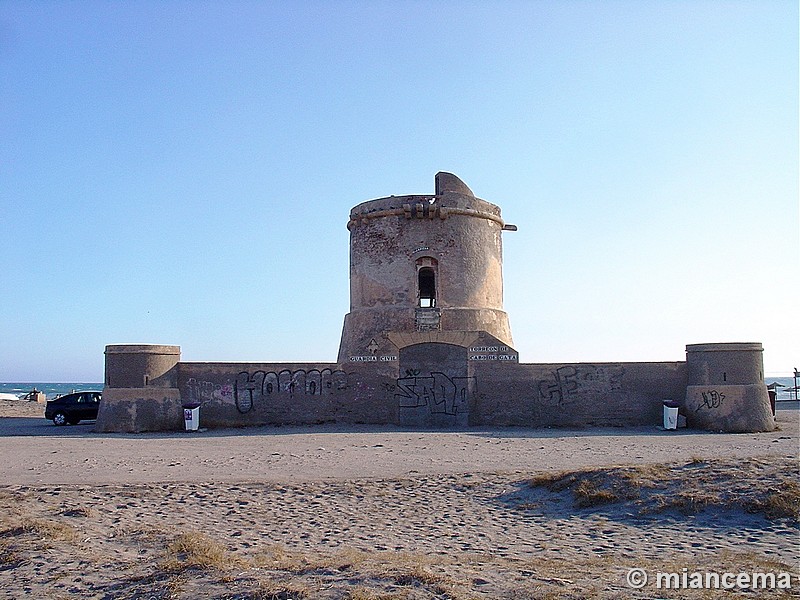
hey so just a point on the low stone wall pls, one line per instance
(246, 394)
(437, 384)
(575, 394)
(523, 395)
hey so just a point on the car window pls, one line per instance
(94, 397)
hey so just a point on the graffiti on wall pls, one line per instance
(442, 395)
(205, 391)
(570, 383)
(711, 399)
(251, 388)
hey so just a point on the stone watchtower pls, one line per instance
(426, 297)
(424, 263)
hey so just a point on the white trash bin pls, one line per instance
(191, 416)
(670, 414)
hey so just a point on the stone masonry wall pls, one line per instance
(575, 394)
(246, 394)
(497, 394)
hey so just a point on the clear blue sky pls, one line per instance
(182, 172)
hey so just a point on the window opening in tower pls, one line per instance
(427, 287)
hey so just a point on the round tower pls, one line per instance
(141, 388)
(726, 389)
(424, 263)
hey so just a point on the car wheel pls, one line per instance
(60, 418)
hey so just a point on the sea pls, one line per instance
(787, 392)
(51, 390)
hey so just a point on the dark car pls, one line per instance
(73, 408)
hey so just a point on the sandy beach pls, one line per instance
(366, 512)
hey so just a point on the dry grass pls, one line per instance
(587, 494)
(8, 556)
(766, 487)
(280, 558)
(411, 571)
(595, 487)
(272, 591)
(555, 482)
(780, 502)
(81, 511)
(372, 575)
(46, 530)
(362, 592)
(149, 532)
(283, 572)
(690, 500)
(47, 534)
(645, 476)
(52, 530)
(197, 550)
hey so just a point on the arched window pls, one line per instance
(426, 281)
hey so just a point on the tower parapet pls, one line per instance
(141, 365)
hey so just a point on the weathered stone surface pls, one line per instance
(140, 409)
(730, 408)
(575, 394)
(138, 365)
(434, 388)
(237, 394)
